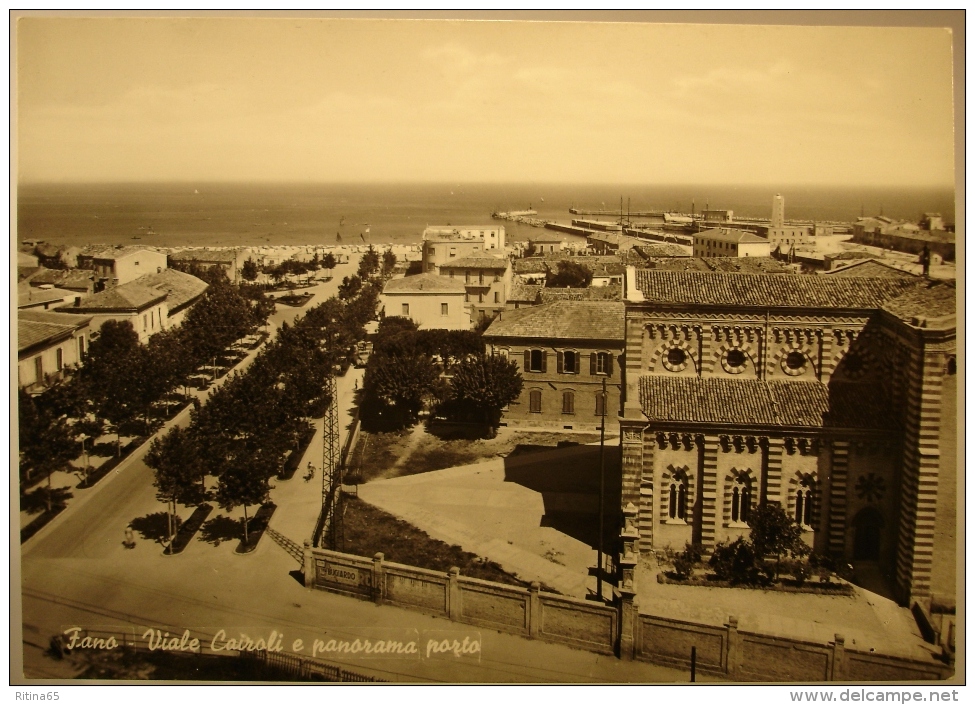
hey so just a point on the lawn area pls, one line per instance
(369, 530)
(412, 451)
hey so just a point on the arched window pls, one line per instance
(741, 499)
(568, 402)
(677, 498)
(804, 503)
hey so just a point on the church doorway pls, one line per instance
(866, 537)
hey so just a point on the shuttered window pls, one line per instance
(535, 360)
(535, 401)
(568, 402)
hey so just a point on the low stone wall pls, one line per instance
(529, 612)
(747, 656)
(524, 611)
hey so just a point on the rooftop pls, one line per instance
(611, 292)
(425, 284)
(28, 295)
(929, 299)
(131, 296)
(477, 262)
(523, 293)
(762, 291)
(562, 320)
(180, 288)
(868, 268)
(117, 252)
(753, 402)
(730, 235)
(34, 328)
(662, 250)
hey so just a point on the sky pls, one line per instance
(275, 99)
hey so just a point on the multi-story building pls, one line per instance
(487, 281)
(729, 242)
(120, 265)
(47, 345)
(146, 302)
(565, 351)
(430, 300)
(231, 260)
(832, 396)
(444, 243)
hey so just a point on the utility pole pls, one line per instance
(602, 492)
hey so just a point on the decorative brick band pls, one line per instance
(645, 518)
(837, 497)
(709, 516)
(773, 475)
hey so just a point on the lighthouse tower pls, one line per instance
(778, 211)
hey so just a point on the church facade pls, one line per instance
(833, 397)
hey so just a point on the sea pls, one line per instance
(255, 214)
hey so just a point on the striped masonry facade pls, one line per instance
(634, 347)
(707, 345)
(837, 497)
(920, 485)
(827, 365)
(709, 491)
(773, 476)
(645, 518)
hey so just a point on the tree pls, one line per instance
(389, 262)
(249, 271)
(175, 458)
(328, 262)
(113, 371)
(774, 533)
(245, 482)
(47, 443)
(349, 287)
(529, 249)
(570, 274)
(486, 384)
(369, 263)
(395, 387)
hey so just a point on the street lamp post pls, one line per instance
(602, 491)
(84, 454)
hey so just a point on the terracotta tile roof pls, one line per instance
(664, 249)
(35, 328)
(714, 288)
(746, 265)
(113, 253)
(524, 293)
(869, 268)
(425, 284)
(28, 295)
(611, 292)
(562, 320)
(754, 402)
(130, 296)
(931, 299)
(180, 288)
(65, 278)
(475, 262)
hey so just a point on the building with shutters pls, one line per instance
(431, 301)
(49, 344)
(565, 351)
(832, 396)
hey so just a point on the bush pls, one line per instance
(685, 561)
(800, 571)
(737, 563)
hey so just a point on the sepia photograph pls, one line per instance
(488, 348)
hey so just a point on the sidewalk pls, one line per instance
(300, 502)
